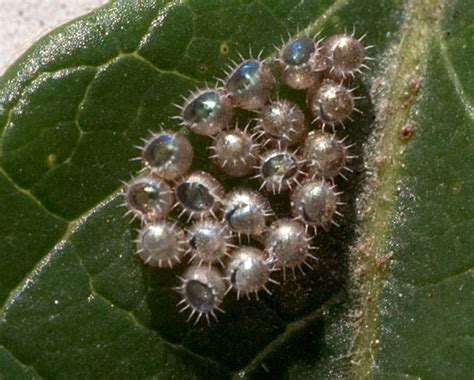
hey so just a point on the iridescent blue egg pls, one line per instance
(244, 76)
(250, 85)
(300, 63)
(201, 107)
(202, 290)
(194, 196)
(199, 194)
(161, 150)
(207, 112)
(168, 154)
(299, 51)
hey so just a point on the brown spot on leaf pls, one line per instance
(407, 130)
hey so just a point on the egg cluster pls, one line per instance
(233, 240)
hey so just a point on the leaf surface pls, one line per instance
(77, 303)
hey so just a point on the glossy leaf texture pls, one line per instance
(391, 296)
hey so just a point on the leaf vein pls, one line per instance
(33, 197)
(292, 329)
(468, 107)
(133, 319)
(443, 279)
(137, 55)
(22, 364)
(71, 228)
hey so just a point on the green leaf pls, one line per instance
(391, 296)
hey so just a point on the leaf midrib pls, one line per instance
(393, 112)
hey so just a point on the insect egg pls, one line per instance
(235, 152)
(276, 150)
(282, 121)
(314, 203)
(326, 154)
(209, 242)
(203, 290)
(207, 112)
(246, 211)
(331, 103)
(250, 84)
(345, 54)
(279, 170)
(288, 245)
(248, 271)
(149, 198)
(297, 61)
(198, 194)
(161, 244)
(168, 154)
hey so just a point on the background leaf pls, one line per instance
(77, 303)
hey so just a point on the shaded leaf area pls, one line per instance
(76, 302)
(426, 328)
